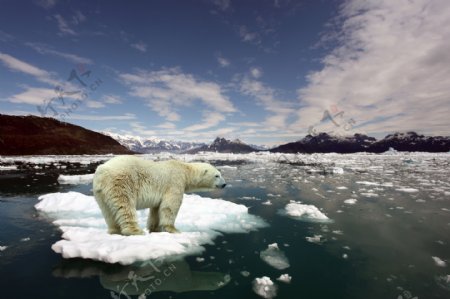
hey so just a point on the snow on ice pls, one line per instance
(200, 220)
(286, 278)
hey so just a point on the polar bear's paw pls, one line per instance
(168, 228)
(130, 231)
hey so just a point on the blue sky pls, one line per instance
(266, 72)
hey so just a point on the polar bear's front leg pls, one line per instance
(153, 220)
(168, 211)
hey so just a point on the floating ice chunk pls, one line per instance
(345, 256)
(341, 188)
(267, 203)
(421, 200)
(200, 259)
(444, 281)
(3, 248)
(350, 201)
(75, 179)
(286, 278)
(245, 273)
(369, 194)
(407, 190)
(316, 239)
(275, 257)
(265, 287)
(8, 167)
(337, 170)
(303, 212)
(249, 198)
(226, 167)
(439, 262)
(200, 220)
(25, 239)
(368, 183)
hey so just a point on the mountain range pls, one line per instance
(33, 135)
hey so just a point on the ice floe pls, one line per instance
(286, 278)
(265, 287)
(407, 190)
(75, 179)
(200, 220)
(439, 262)
(3, 248)
(350, 201)
(315, 239)
(304, 212)
(275, 257)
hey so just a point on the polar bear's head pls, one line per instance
(208, 177)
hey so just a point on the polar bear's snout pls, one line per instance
(220, 182)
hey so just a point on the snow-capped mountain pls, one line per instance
(324, 143)
(222, 145)
(153, 145)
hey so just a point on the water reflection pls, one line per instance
(143, 278)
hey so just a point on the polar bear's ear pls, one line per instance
(205, 172)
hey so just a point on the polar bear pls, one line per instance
(125, 184)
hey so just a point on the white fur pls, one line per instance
(125, 184)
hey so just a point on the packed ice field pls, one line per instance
(333, 188)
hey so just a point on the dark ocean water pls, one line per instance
(380, 247)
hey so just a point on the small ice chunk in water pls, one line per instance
(275, 257)
(245, 273)
(439, 262)
(341, 188)
(304, 212)
(316, 239)
(265, 287)
(25, 239)
(200, 259)
(350, 201)
(407, 190)
(75, 179)
(2, 248)
(267, 203)
(444, 281)
(286, 278)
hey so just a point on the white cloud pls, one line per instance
(141, 46)
(17, 65)
(78, 17)
(210, 119)
(222, 5)
(167, 125)
(63, 26)
(94, 104)
(43, 49)
(390, 68)
(126, 116)
(256, 72)
(47, 4)
(266, 97)
(33, 96)
(111, 99)
(169, 89)
(223, 62)
(249, 36)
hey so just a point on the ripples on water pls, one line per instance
(388, 235)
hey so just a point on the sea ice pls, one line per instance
(245, 273)
(275, 257)
(316, 239)
(200, 220)
(265, 287)
(75, 179)
(286, 278)
(407, 190)
(439, 262)
(3, 248)
(304, 212)
(350, 201)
